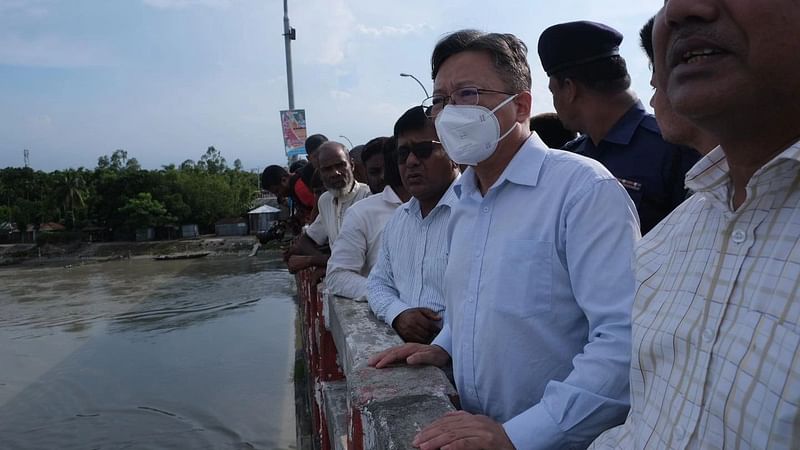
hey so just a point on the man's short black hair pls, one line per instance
(314, 141)
(391, 171)
(373, 147)
(646, 39)
(550, 128)
(412, 120)
(272, 176)
(297, 165)
(509, 53)
(607, 76)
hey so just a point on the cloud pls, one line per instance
(323, 38)
(392, 31)
(48, 51)
(181, 4)
(340, 95)
(24, 8)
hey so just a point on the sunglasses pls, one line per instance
(422, 150)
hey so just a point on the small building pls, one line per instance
(93, 233)
(9, 233)
(145, 234)
(190, 231)
(262, 218)
(231, 227)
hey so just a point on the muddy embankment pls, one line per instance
(86, 252)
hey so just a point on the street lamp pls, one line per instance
(418, 82)
(348, 140)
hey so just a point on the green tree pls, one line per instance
(142, 212)
(213, 161)
(71, 191)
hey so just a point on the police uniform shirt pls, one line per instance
(651, 169)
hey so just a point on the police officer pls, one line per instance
(591, 93)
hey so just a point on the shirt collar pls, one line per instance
(712, 170)
(390, 196)
(448, 199)
(350, 195)
(622, 131)
(523, 169)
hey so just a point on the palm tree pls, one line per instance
(71, 189)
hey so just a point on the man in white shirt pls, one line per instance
(539, 281)
(336, 170)
(716, 319)
(356, 250)
(405, 286)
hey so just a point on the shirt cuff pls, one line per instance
(395, 309)
(444, 340)
(535, 429)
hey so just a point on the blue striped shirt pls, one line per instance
(409, 272)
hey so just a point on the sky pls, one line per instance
(166, 79)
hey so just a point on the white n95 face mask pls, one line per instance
(470, 133)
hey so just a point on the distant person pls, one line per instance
(591, 93)
(355, 252)
(297, 165)
(336, 171)
(372, 157)
(291, 187)
(674, 127)
(359, 171)
(716, 320)
(310, 172)
(405, 287)
(552, 131)
(539, 284)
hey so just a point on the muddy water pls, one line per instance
(148, 354)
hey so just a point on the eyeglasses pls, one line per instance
(422, 150)
(461, 96)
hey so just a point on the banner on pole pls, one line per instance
(293, 122)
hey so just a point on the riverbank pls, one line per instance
(93, 252)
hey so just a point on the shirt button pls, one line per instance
(738, 236)
(486, 209)
(708, 335)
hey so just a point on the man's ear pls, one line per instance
(285, 181)
(571, 90)
(524, 102)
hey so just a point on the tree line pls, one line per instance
(119, 195)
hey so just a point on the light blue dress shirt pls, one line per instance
(539, 288)
(409, 272)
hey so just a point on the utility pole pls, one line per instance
(27, 156)
(289, 35)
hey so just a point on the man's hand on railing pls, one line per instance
(418, 325)
(460, 430)
(413, 354)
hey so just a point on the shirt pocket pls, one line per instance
(524, 279)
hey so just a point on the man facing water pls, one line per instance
(336, 171)
(538, 285)
(405, 286)
(716, 321)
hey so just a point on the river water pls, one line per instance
(187, 354)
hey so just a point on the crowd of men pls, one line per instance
(631, 286)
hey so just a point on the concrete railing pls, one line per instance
(355, 406)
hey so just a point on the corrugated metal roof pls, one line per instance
(265, 209)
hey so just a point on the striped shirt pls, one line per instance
(409, 272)
(716, 334)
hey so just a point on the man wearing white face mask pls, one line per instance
(539, 284)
